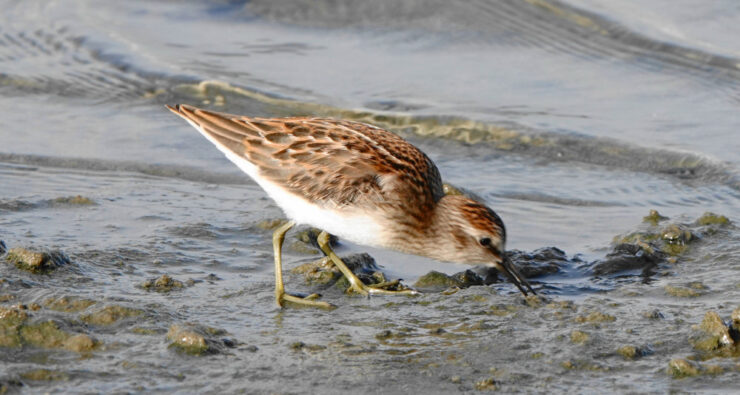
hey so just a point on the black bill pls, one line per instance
(514, 276)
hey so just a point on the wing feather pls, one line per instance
(331, 162)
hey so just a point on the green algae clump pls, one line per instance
(435, 281)
(11, 320)
(680, 368)
(110, 315)
(324, 273)
(579, 337)
(74, 201)
(653, 217)
(162, 284)
(320, 272)
(682, 292)
(15, 332)
(712, 219)
(80, 343)
(68, 304)
(488, 384)
(595, 317)
(45, 375)
(716, 335)
(187, 340)
(44, 334)
(628, 352)
(35, 262)
(735, 317)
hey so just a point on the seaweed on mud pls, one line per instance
(323, 273)
(16, 205)
(162, 284)
(37, 262)
(110, 315)
(717, 338)
(646, 249)
(435, 281)
(18, 330)
(68, 304)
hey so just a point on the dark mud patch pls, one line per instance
(659, 245)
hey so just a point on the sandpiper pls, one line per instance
(360, 183)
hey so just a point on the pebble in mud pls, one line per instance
(34, 261)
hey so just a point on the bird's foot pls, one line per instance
(307, 301)
(381, 288)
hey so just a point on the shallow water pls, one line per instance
(571, 119)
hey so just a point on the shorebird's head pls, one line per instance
(480, 237)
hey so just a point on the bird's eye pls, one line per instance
(485, 241)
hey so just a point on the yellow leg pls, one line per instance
(280, 296)
(356, 284)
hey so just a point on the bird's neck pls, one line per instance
(436, 231)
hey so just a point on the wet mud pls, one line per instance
(467, 331)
